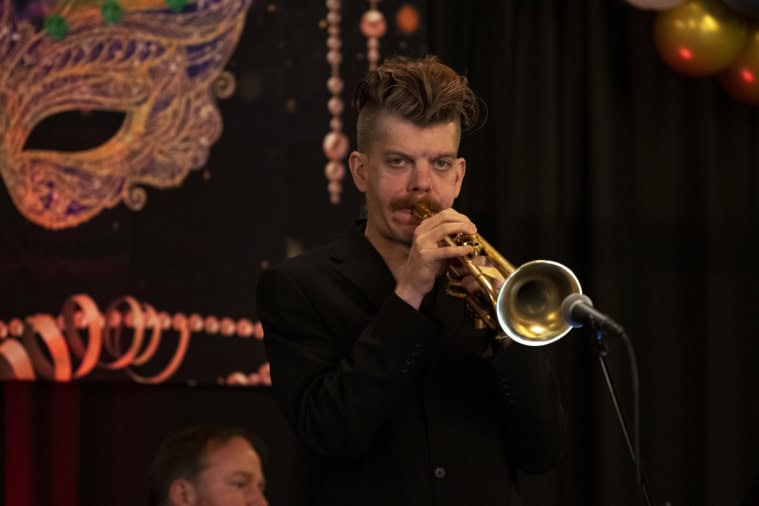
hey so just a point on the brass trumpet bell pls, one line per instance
(529, 302)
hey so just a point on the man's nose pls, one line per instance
(421, 177)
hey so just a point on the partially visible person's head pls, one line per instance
(422, 91)
(208, 466)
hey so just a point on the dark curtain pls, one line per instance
(644, 182)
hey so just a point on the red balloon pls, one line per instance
(407, 19)
(741, 80)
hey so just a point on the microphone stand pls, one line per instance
(634, 449)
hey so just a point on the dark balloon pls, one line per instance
(747, 7)
(656, 5)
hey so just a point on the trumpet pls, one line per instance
(527, 307)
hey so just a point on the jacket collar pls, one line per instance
(356, 259)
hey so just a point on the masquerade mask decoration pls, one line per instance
(163, 70)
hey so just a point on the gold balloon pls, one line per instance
(700, 37)
(741, 80)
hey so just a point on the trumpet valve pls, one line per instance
(455, 287)
(471, 241)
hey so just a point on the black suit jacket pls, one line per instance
(397, 406)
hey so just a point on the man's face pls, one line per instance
(406, 163)
(232, 477)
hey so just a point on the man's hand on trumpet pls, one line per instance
(430, 254)
(474, 288)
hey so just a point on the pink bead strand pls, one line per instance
(373, 26)
(336, 144)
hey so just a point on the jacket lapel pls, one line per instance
(356, 260)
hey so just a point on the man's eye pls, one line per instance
(443, 163)
(396, 162)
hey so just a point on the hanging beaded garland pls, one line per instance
(373, 26)
(336, 143)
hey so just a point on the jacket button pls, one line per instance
(440, 472)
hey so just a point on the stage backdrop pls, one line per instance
(157, 157)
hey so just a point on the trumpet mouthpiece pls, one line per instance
(424, 210)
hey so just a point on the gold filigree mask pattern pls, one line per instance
(161, 69)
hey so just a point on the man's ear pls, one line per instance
(358, 163)
(460, 167)
(182, 493)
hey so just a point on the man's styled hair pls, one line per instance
(422, 91)
(183, 454)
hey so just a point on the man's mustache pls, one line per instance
(411, 202)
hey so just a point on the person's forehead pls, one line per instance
(396, 133)
(235, 452)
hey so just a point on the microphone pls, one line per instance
(577, 310)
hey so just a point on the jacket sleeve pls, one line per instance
(337, 395)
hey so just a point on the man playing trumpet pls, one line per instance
(396, 397)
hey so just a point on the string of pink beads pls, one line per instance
(336, 143)
(373, 26)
